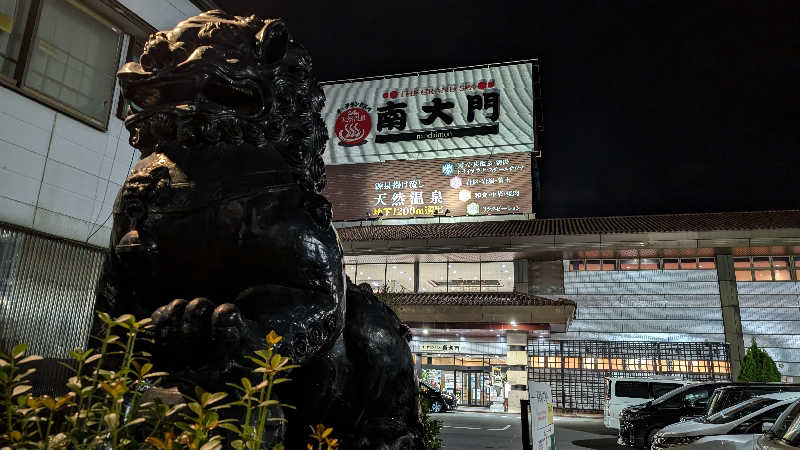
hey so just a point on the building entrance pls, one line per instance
(475, 380)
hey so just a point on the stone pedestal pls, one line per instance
(517, 360)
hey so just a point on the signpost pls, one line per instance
(542, 429)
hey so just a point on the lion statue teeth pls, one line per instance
(221, 234)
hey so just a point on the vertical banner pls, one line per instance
(542, 429)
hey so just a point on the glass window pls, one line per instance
(689, 263)
(74, 58)
(763, 275)
(13, 16)
(400, 277)
(576, 265)
(707, 263)
(648, 264)
(609, 264)
(631, 389)
(741, 410)
(782, 275)
(373, 274)
(671, 264)
(660, 389)
(629, 264)
(593, 264)
(744, 275)
(463, 277)
(780, 261)
(350, 271)
(432, 277)
(497, 276)
(761, 262)
(741, 262)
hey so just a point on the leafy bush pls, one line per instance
(104, 409)
(758, 366)
(431, 428)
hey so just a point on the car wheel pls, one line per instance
(436, 406)
(651, 436)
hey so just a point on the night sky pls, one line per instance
(649, 107)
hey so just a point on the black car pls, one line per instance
(440, 401)
(728, 396)
(638, 424)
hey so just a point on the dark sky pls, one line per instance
(649, 107)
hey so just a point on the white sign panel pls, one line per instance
(442, 114)
(542, 431)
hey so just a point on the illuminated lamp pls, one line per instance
(464, 195)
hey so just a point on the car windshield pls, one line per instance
(741, 410)
(787, 427)
(672, 393)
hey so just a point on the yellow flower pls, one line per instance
(273, 338)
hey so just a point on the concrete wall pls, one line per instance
(771, 313)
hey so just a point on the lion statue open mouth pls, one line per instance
(221, 234)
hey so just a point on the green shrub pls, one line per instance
(431, 428)
(758, 366)
(103, 407)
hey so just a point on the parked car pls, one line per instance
(440, 401)
(785, 433)
(734, 428)
(638, 424)
(624, 392)
(727, 396)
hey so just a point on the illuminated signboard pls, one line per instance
(466, 186)
(442, 114)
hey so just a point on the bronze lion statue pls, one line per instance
(221, 234)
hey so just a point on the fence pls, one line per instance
(576, 370)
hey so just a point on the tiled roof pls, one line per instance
(475, 299)
(730, 221)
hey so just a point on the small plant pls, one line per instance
(103, 408)
(431, 428)
(758, 366)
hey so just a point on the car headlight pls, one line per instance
(669, 441)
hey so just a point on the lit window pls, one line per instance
(744, 275)
(464, 277)
(593, 264)
(782, 275)
(609, 264)
(721, 367)
(571, 363)
(537, 362)
(554, 362)
(400, 277)
(671, 264)
(497, 276)
(576, 265)
(780, 261)
(741, 263)
(763, 275)
(761, 262)
(688, 263)
(372, 274)
(707, 263)
(629, 264)
(350, 270)
(433, 277)
(648, 264)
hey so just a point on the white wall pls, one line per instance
(58, 175)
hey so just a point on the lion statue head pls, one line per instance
(221, 223)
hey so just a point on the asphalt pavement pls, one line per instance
(476, 430)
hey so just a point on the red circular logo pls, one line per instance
(352, 126)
